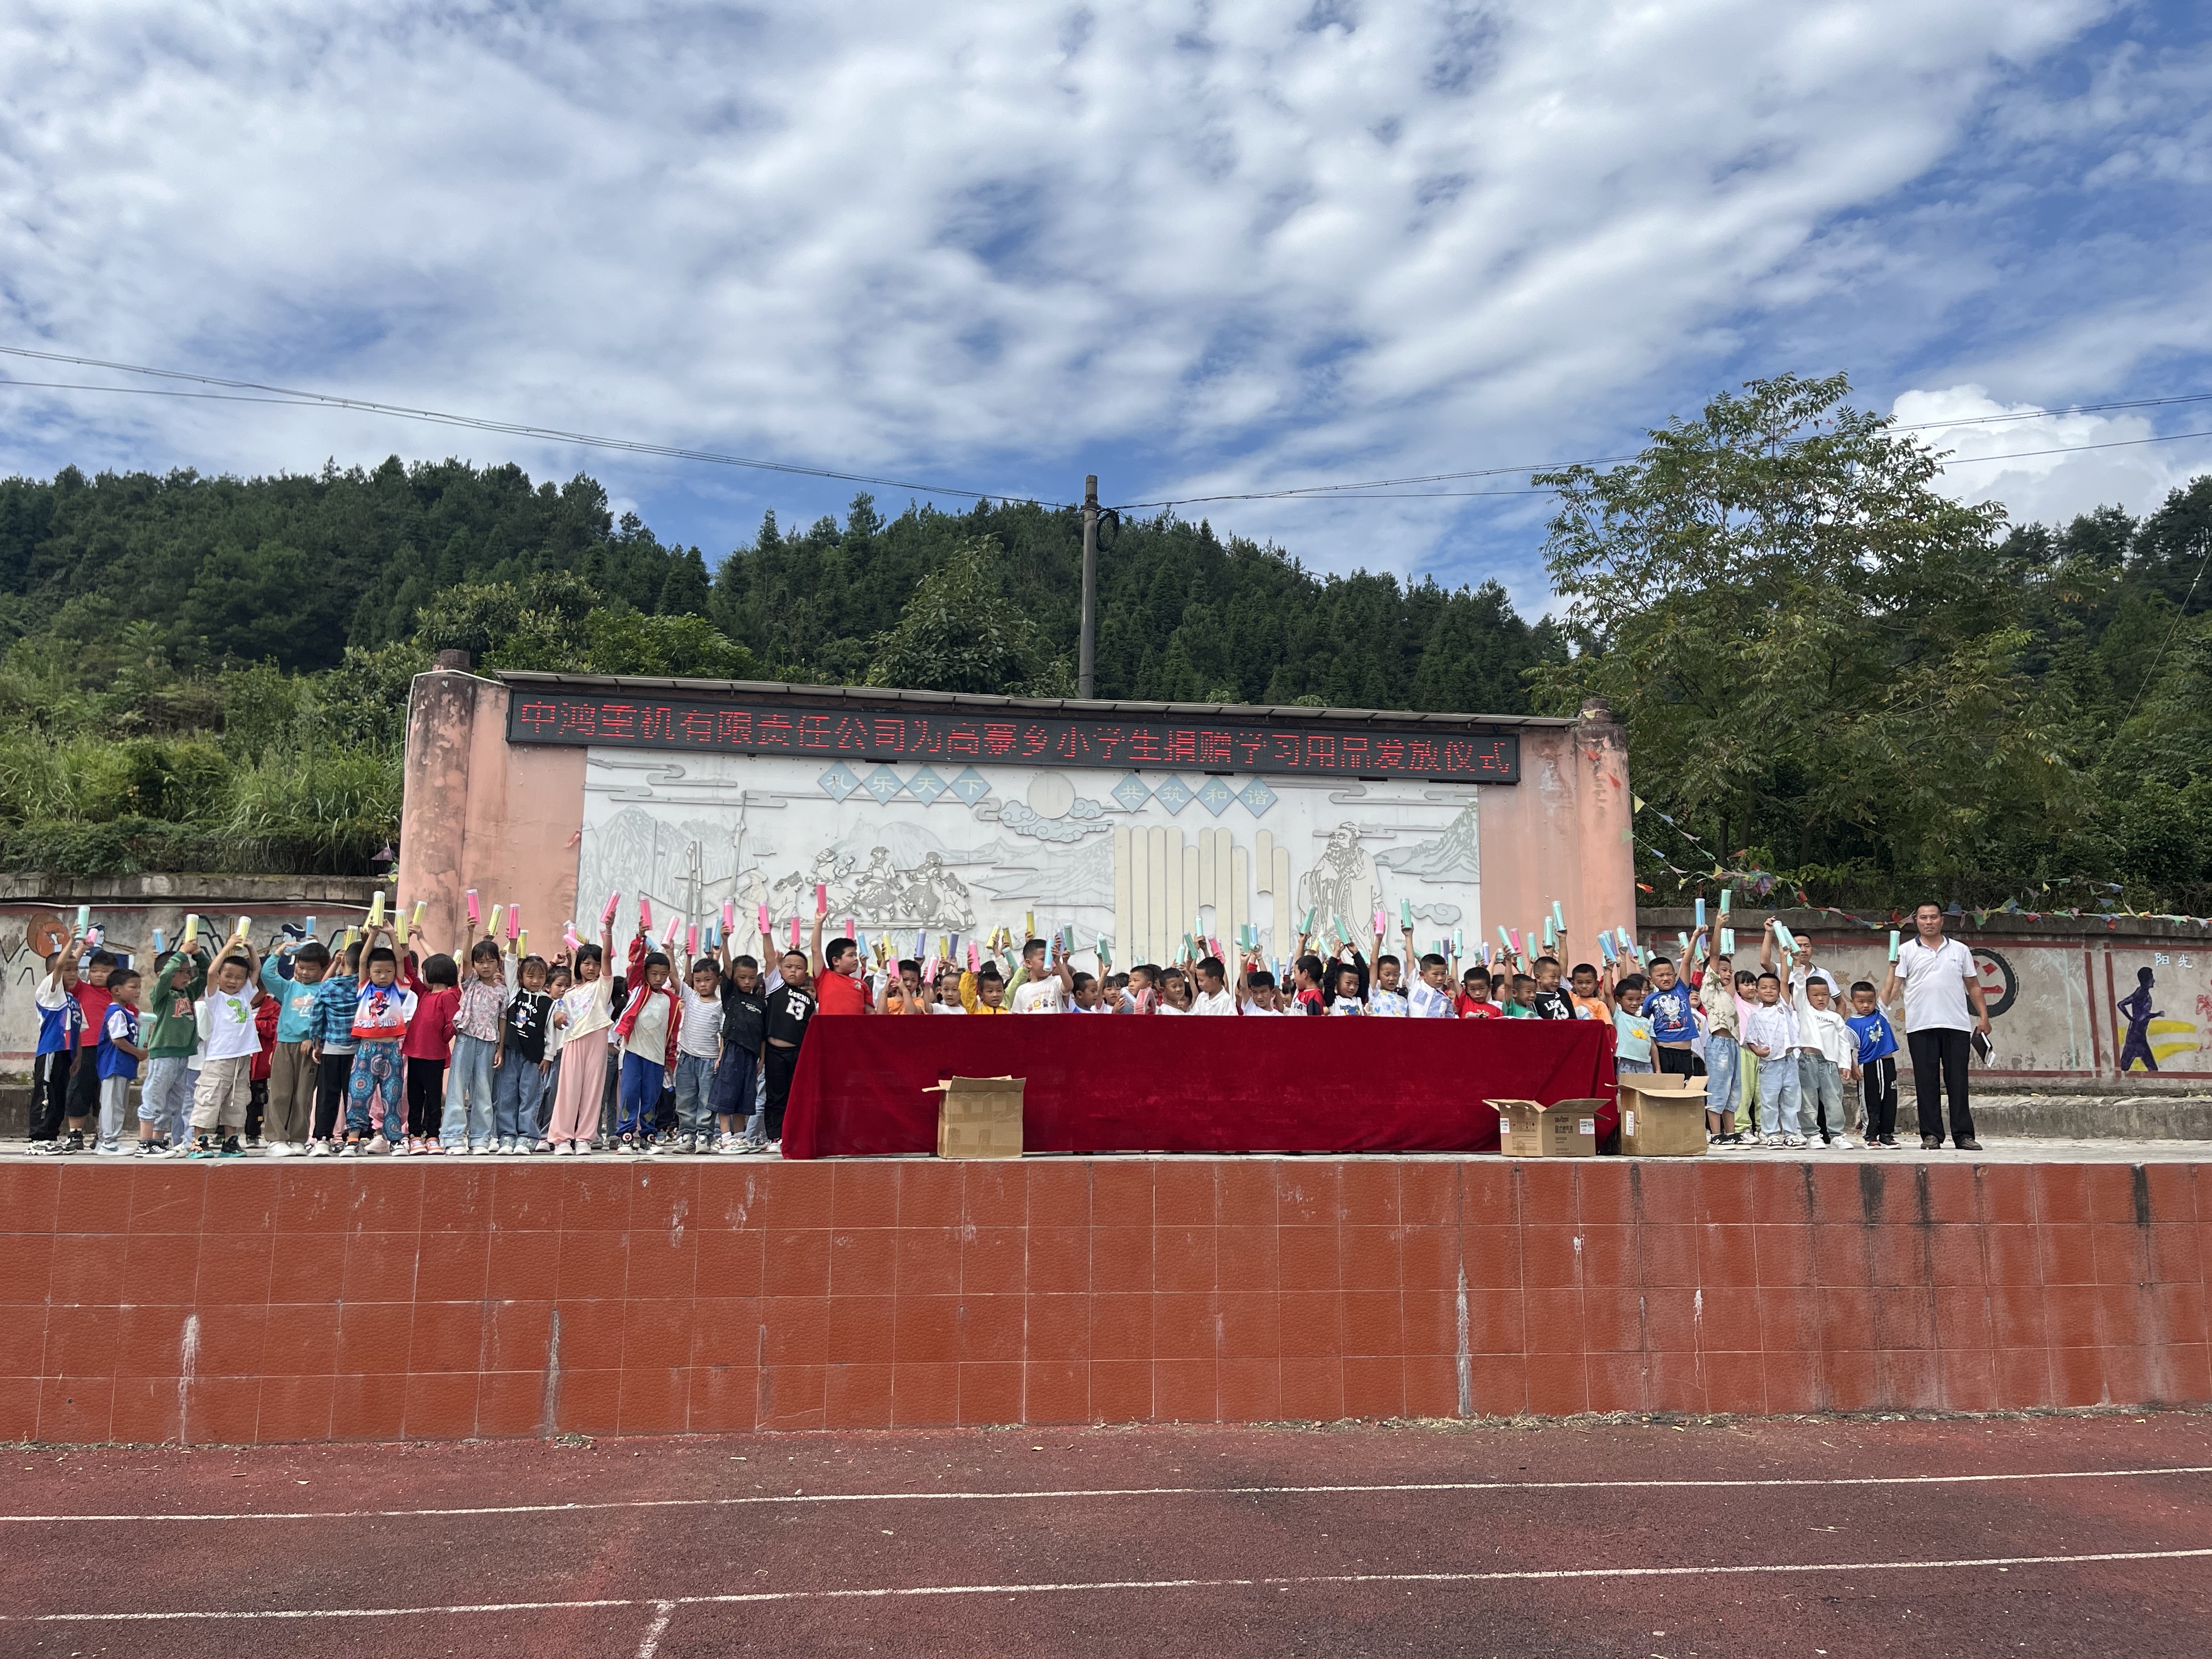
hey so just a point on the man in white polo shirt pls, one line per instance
(1942, 1007)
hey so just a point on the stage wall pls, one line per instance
(1136, 855)
(444, 1299)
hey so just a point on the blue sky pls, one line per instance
(1196, 248)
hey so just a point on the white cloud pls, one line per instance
(1229, 245)
(2047, 466)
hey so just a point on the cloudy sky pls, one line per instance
(1199, 248)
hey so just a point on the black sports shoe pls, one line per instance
(231, 1148)
(76, 1141)
(1969, 1145)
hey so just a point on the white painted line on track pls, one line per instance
(889, 1593)
(649, 1644)
(1040, 1495)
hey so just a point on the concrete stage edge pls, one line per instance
(442, 1299)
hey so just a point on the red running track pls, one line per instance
(2054, 1536)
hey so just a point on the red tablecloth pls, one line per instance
(1124, 1083)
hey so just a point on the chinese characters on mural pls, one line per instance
(1085, 740)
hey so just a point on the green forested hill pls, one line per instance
(212, 672)
(1826, 671)
(1183, 615)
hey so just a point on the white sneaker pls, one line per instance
(566, 1149)
(543, 1146)
(351, 1149)
(319, 1149)
(1793, 1141)
(112, 1149)
(280, 1149)
(1844, 1143)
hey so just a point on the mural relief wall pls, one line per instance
(1138, 860)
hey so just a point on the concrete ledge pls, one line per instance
(2093, 1117)
(250, 1301)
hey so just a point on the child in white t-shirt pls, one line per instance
(226, 1027)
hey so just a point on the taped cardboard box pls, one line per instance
(979, 1118)
(1662, 1115)
(1528, 1128)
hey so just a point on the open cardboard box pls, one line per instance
(1662, 1115)
(1528, 1128)
(979, 1118)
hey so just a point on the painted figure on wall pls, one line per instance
(1342, 885)
(2135, 1007)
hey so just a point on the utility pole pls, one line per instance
(1086, 678)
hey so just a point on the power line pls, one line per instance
(254, 391)
(2144, 684)
(1352, 491)
(294, 397)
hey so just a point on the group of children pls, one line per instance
(1774, 1043)
(382, 1045)
(387, 1045)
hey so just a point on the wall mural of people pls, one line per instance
(1134, 860)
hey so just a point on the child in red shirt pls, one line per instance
(428, 1044)
(257, 1100)
(1474, 1001)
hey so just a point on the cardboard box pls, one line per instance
(1566, 1128)
(1662, 1115)
(979, 1118)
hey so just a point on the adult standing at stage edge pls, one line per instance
(1942, 1008)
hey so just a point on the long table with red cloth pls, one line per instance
(1127, 1084)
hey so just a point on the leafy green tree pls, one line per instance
(1806, 639)
(684, 592)
(960, 632)
(263, 603)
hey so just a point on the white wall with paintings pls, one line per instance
(1136, 858)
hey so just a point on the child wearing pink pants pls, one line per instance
(583, 1016)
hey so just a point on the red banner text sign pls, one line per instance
(1467, 755)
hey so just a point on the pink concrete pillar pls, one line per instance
(1604, 844)
(434, 813)
(503, 818)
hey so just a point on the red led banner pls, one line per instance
(1144, 744)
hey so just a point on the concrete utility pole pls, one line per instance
(1087, 649)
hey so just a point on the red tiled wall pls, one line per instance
(347, 1301)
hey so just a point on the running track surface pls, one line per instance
(1831, 1540)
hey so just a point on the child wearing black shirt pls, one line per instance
(744, 1028)
(790, 1006)
(521, 1070)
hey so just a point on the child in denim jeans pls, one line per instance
(382, 1009)
(521, 1073)
(1716, 1000)
(698, 1048)
(468, 1123)
(1771, 1034)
